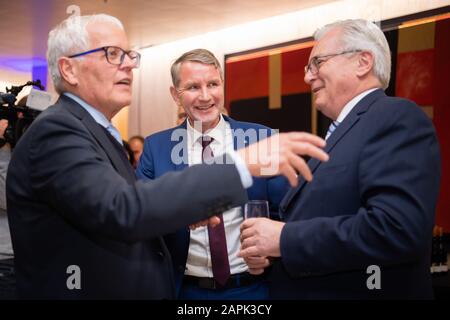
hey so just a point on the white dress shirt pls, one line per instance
(352, 103)
(199, 256)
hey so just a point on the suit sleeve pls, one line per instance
(276, 187)
(71, 175)
(399, 172)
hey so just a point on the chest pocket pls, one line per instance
(335, 176)
(337, 188)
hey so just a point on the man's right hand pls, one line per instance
(256, 265)
(280, 155)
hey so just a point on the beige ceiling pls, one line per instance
(24, 24)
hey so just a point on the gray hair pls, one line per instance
(71, 37)
(197, 55)
(364, 35)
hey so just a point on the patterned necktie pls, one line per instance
(217, 239)
(331, 129)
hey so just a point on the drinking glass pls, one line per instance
(256, 209)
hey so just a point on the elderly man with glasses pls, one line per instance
(361, 229)
(81, 226)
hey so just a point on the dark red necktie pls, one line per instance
(217, 239)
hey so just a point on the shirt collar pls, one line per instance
(97, 115)
(352, 103)
(217, 133)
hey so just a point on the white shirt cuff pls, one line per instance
(244, 174)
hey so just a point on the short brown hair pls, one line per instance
(197, 55)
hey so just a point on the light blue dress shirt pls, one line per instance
(97, 115)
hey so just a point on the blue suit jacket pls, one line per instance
(372, 203)
(156, 161)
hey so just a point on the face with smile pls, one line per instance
(334, 84)
(200, 92)
(105, 86)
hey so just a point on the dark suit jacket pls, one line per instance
(72, 200)
(156, 161)
(372, 203)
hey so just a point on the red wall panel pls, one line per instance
(292, 65)
(247, 79)
(441, 119)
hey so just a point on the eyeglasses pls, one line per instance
(317, 61)
(114, 55)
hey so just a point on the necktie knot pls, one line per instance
(115, 133)
(206, 141)
(331, 128)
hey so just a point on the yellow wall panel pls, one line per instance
(417, 38)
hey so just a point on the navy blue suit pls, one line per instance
(372, 203)
(156, 161)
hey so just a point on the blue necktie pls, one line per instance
(331, 129)
(115, 133)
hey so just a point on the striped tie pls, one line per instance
(331, 129)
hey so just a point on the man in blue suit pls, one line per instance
(198, 88)
(362, 227)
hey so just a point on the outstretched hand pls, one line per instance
(280, 155)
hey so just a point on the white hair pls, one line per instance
(364, 35)
(71, 37)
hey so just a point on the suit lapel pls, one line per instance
(100, 136)
(184, 151)
(234, 125)
(352, 118)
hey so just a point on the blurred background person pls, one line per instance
(136, 146)
(5, 157)
(7, 279)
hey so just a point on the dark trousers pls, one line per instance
(255, 291)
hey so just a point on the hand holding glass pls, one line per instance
(256, 209)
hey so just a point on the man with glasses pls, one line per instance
(81, 226)
(362, 227)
